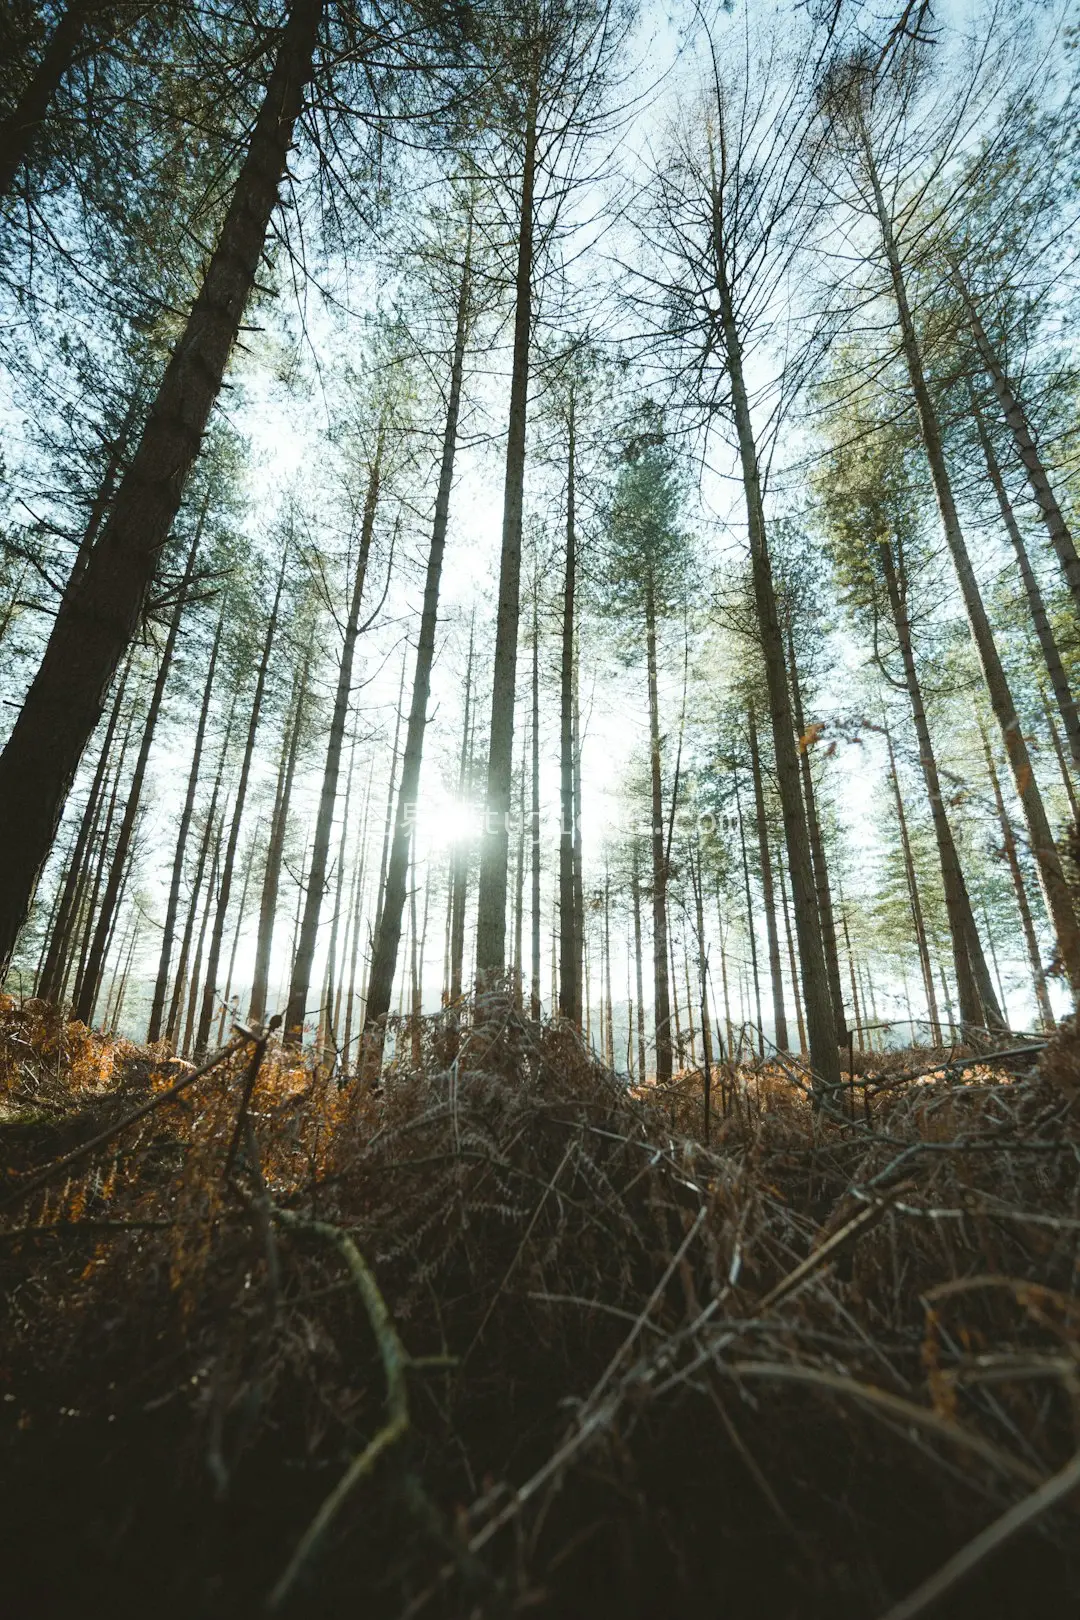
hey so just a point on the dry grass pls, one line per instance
(500, 1336)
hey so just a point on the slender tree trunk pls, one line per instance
(1016, 418)
(999, 981)
(125, 977)
(1051, 875)
(111, 938)
(1059, 681)
(691, 1030)
(578, 849)
(53, 969)
(320, 850)
(343, 909)
(1059, 755)
(172, 1023)
(820, 1016)
(88, 917)
(638, 975)
(859, 1019)
(196, 972)
(751, 932)
(519, 891)
(20, 128)
(241, 910)
(1008, 839)
(913, 896)
(822, 889)
(328, 1031)
(609, 1019)
(729, 1028)
(388, 934)
(459, 869)
(96, 959)
(157, 1005)
(388, 824)
(49, 925)
(569, 945)
(358, 907)
(768, 893)
(978, 1004)
(98, 618)
(661, 989)
(703, 979)
(534, 830)
(228, 863)
(275, 848)
(118, 973)
(792, 966)
(494, 846)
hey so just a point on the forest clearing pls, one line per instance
(540, 808)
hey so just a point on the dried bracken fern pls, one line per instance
(794, 1372)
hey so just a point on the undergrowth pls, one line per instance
(499, 1336)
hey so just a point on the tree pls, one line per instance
(724, 226)
(552, 63)
(646, 569)
(97, 619)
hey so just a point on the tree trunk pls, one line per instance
(820, 1016)
(275, 847)
(388, 935)
(978, 1004)
(534, 839)
(300, 984)
(97, 620)
(111, 938)
(221, 909)
(661, 992)
(1059, 681)
(609, 1017)
(358, 905)
(125, 976)
(822, 890)
(569, 945)
(196, 972)
(638, 982)
(460, 867)
(728, 1027)
(388, 824)
(249, 862)
(494, 847)
(19, 129)
(173, 1021)
(157, 1005)
(329, 1037)
(519, 892)
(851, 973)
(578, 861)
(1051, 875)
(751, 932)
(1008, 839)
(768, 894)
(53, 969)
(1059, 755)
(91, 900)
(792, 966)
(913, 897)
(703, 979)
(1015, 416)
(96, 959)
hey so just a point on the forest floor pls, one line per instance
(502, 1337)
